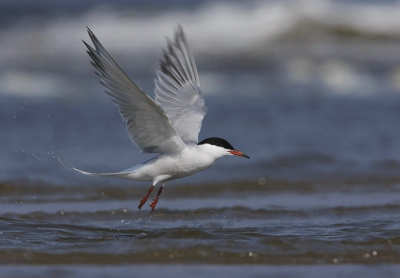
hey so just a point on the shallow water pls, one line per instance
(277, 223)
(315, 199)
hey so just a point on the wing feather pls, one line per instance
(149, 127)
(178, 89)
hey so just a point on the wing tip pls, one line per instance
(179, 29)
(90, 32)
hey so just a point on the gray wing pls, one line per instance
(178, 89)
(148, 126)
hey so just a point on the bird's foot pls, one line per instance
(142, 202)
(154, 203)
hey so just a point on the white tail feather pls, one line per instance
(122, 175)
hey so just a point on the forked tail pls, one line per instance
(121, 175)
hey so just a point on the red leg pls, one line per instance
(155, 201)
(144, 200)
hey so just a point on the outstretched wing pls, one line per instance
(178, 89)
(148, 126)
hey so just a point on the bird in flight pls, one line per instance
(168, 125)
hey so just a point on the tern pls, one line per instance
(169, 124)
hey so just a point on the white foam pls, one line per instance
(222, 30)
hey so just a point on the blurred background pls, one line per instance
(309, 89)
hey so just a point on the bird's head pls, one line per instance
(221, 147)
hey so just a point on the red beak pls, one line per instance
(239, 153)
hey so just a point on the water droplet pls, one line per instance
(262, 181)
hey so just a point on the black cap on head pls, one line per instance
(217, 142)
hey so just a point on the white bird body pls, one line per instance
(167, 167)
(169, 125)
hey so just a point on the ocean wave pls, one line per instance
(244, 36)
(55, 243)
